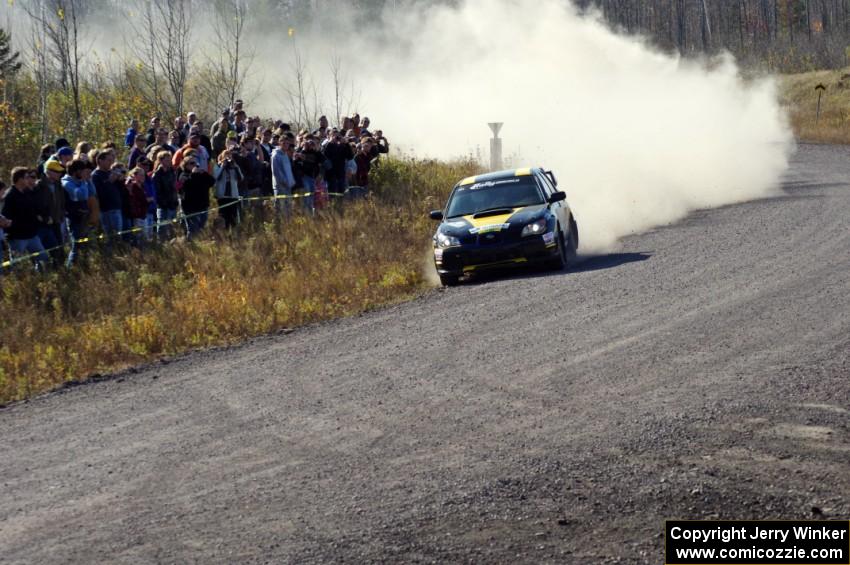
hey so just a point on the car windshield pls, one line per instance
(514, 192)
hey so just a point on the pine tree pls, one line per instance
(9, 64)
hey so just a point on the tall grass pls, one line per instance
(112, 312)
(800, 98)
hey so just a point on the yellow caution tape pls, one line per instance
(182, 218)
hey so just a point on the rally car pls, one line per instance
(505, 218)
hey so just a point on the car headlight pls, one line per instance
(443, 240)
(535, 228)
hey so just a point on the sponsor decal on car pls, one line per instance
(490, 184)
(549, 237)
(489, 228)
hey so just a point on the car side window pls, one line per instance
(548, 189)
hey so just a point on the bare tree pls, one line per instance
(345, 94)
(174, 57)
(233, 59)
(147, 54)
(163, 62)
(41, 74)
(59, 26)
(338, 85)
(300, 93)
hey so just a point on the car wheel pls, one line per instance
(449, 280)
(572, 245)
(559, 262)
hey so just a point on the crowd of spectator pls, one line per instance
(160, 184)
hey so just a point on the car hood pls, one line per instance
(517, 218)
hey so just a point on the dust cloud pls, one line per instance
(636, 137)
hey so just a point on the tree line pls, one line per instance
(779, 35)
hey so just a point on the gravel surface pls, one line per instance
(701, 372)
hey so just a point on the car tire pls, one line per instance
(572, 245)
(449, 280)
(559, 262)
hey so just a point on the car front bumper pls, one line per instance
(471, 258)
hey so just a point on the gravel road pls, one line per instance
(701, 372)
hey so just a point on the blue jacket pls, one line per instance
(130, 138)
(282, 177)
(77, 190)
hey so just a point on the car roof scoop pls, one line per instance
(493, 212)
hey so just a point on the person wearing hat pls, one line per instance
(63, 156)
(78, 189)
(49, 198)
(232, 141)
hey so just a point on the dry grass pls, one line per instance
(800, 98)
(106, 314)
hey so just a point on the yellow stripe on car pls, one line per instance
(467, 180)
(469, 268)
(490, 220)
(522, 172)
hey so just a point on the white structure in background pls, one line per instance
(495, 146)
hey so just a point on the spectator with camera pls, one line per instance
(363, 160)
(382, 146)
(249, 160)
(195, 183)
(228, 176)
(307, 165)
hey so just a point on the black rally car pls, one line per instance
(504, 218)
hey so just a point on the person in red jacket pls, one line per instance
(363, 159)
(137, 202)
